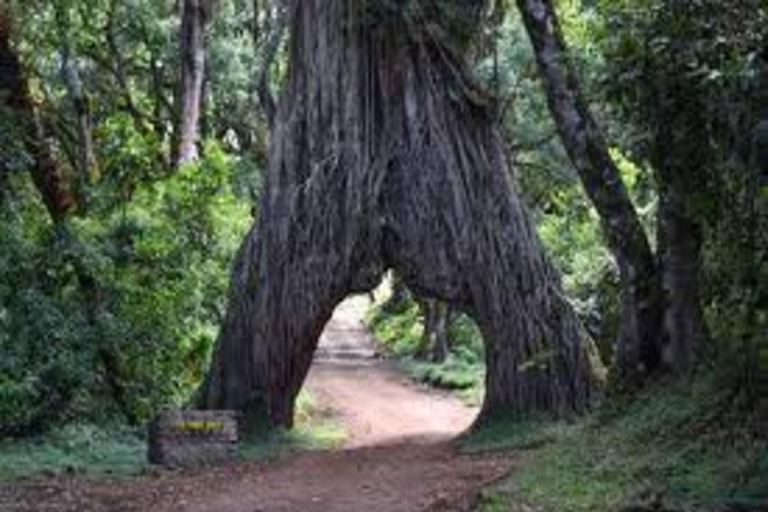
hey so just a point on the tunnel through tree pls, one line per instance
(384, 154)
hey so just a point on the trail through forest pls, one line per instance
(374, 401)
(398, 457)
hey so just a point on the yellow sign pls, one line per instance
(200, 426)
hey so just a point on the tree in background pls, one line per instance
(56, 190)
(638, 348)
(691, 87)
(195, 16)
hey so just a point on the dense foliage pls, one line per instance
(689, 91)
(112, 312)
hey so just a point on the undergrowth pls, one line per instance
(399, 330)
(689, 444)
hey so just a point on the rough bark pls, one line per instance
(680, 245)
(383, 155)
(638, 348)
(194, 17)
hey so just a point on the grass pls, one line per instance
(315, 429)
(74, 448)
(687, 442)
(102, 452)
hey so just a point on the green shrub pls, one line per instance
(114, 312)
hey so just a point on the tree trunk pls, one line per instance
(434, 340)
(680, 247)
(638, 349)
(194, 18)
(266, 43)
(384, 155)
(683, 172)
(86, 158)
(440, 345)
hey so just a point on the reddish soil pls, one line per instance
(376, 403)
(399, 457)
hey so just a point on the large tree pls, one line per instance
(384, 154)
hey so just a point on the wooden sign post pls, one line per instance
(189, 437)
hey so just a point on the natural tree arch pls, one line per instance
(384, 155)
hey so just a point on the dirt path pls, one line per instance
(376, 403)
(398, 458)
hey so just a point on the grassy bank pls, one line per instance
(101, 452)
(97, 451)
(691, 446)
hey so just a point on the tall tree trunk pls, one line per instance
(86, 158)
(194, 17)
(384, 155)
(266, 39)
(638, 349)
(681, 168)
(680, 248)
